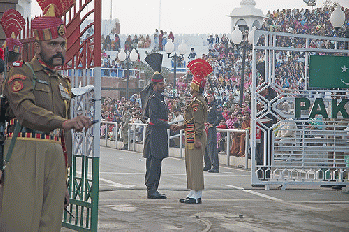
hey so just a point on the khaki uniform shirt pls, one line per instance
(42, 104)
(195, 117)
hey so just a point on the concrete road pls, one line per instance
(229, 201)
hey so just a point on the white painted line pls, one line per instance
(117, 185)
(227, 174)
(292, 204)
(112, 183)
(235, 187)
(263, 195)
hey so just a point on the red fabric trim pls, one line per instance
(45, 65)
(157, 80)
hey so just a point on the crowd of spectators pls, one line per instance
(226, 61)
(112, 42)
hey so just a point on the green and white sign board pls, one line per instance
(328, 72)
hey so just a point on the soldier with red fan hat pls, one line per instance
(195, 117)
(35, 176)
(12, 23)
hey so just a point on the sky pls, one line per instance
(183, 16)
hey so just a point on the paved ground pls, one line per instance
(229, 201)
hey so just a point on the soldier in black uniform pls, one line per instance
(211, 151)
(156, 138)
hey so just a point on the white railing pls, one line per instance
(108, 72)
(116, 130)
(133, 133)
(120, 73)
(228, 131)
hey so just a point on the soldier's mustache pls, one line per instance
(58, 55)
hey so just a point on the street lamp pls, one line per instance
(337, 20)
(237, 38)
(130, 57)
(169, 48)
(337, 17)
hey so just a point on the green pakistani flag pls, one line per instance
(329, 72)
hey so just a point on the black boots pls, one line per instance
(155, 195)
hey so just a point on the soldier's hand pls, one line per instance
(197, 144)
(78, 123)
(173, 127)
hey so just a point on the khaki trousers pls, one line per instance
(194, 166)
(34, 188)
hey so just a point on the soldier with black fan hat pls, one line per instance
(156, 137)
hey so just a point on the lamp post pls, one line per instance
(169, 48)
(237, 38)
(130, 57)
(337, 20)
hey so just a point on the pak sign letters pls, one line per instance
(328, 72)
(318, 107)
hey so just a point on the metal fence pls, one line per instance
(111, 133)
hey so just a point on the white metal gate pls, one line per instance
(291, 142)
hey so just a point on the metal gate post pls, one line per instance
(83, 56)
(228, 148)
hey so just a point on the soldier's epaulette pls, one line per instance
(17, 64)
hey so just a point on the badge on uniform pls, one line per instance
(64, 92)
(17, 86)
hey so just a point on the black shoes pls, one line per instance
(190, 201)
(206, 169)
(213, 170)
(156, 195)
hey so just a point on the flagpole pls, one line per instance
(160, 15)
(111, 10)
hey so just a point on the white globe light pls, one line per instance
(183, 48)
(337, 17)
(251, 35)
(236, 36)
(169, 47)
(133, 55)
(122, 55)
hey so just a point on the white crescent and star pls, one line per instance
(344, 69)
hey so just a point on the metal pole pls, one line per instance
(242, 81)
(246, 149)
(128, 77)
(228, 148)
(111, 10)
(160, 16)
(181, 143)
(174, 75)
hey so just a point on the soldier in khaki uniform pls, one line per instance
(125, 124)
(39, 97)
(195, 117)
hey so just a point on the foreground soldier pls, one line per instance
(195, 117)
(156, 140)
(34, 183)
